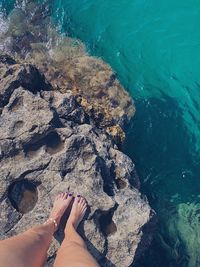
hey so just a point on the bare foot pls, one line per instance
(79, 208)
(60, 205)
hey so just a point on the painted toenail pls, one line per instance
(70, 194)
(78, 195)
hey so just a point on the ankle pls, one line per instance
(55, 217)
(69, 228)
(53, 222)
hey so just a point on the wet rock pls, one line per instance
(31, 37)
(49, 144)
(89, 78)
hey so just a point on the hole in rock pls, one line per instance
(108, 189)
(51, 141)
(54, 143)
(23, 195)
(114, 103)
(121, 184)
(18, 125)
(33, 128)
(107, 226)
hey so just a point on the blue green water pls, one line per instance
(154, 47)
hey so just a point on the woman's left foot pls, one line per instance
(60, 205)
(78, 211)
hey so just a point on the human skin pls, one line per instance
(30, 248)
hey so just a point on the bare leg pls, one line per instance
(73, 251)
(29, 249)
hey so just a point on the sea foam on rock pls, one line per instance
(48, 144)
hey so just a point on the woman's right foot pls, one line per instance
(60, 205)
(78, 211)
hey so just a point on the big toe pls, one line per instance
(69, 197)
(76, 201)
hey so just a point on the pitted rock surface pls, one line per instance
(47, 140)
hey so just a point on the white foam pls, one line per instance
(3, 30)
(3, 24)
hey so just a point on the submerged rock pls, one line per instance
(49, 144)
(31, 38)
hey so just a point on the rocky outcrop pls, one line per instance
(31, 38)
(92, 80)
(49, 144)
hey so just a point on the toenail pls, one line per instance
(70, 194)
(78, 195)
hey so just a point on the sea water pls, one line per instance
(154, 48)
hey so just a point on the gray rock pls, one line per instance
(15, 75)
(49, 145)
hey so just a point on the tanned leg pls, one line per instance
(29, 249)
(73, 251)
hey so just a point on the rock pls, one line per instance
(93, 83)
(50, 144)
(98, 90)
(67, 107)
(15, 75)
(6, 59)
(31, 38)
(117, 133)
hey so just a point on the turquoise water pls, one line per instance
(154, 47)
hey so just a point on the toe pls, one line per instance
(69, 196)
(59, 196)
(79, 197)
(84, 206)
(76, 200)
(83, 201)
(65, 195)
